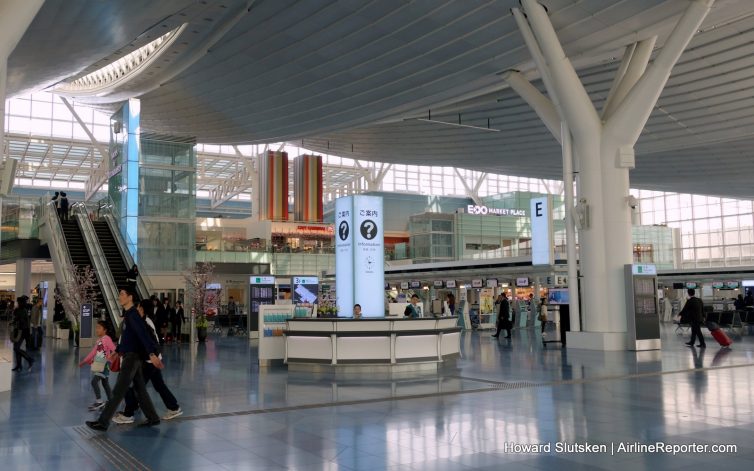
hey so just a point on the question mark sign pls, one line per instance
(368, 229)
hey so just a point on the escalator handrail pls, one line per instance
(59, 245)
(102, 269)
(142, 281)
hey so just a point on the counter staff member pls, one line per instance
(412, 310)
(357, 311)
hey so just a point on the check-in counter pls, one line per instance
(378, 341)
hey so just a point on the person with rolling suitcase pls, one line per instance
(719, 335)
(694, 311)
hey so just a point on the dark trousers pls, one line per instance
(21, 353)
(696, 331)
(503, 324)
(96, 380)
(177, 331)
(130, 372)
(158, 382)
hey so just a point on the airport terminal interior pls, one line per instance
(376, 235)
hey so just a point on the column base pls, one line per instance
(603, 341)
(5, 374)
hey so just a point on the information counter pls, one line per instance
(372, 342)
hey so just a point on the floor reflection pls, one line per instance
(238, 416)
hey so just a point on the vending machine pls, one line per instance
(642, 307)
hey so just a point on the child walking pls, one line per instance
(97, 358)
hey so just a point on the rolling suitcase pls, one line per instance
(719, 335)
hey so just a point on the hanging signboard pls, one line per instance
(542, 252)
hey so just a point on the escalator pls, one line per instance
(97, 244)
(78, 253)
(115, 260)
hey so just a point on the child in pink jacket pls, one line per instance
(97, 358)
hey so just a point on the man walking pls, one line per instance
(694, 311)
(503, 317)
(133, 340)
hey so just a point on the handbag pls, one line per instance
(99, 363)
(115, 364)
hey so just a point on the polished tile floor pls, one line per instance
(468, 416)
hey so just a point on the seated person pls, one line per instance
(412, 310)
(357, 311)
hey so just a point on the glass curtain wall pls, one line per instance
(167, 204)
(714, 231)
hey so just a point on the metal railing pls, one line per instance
(58, 248)
(142, 281)
(99, 261)
(107, 210)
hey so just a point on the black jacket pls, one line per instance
(693, 311)
(505, 311)
(21, 318)
(135, 337)
(176, 316)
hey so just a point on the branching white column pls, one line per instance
(604, 145)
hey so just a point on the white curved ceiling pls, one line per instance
(348, 77)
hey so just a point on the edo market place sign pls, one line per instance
(487, 211)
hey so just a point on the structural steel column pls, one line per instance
(604, 145)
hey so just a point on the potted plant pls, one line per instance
(202, 324)
(64, 329)
(327, 310)
(203, 300)
(77, 289)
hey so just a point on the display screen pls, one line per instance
(731, 284)
(691, 285)
(404, 284)
(717, 284)
(305, 289)
(450, 284)
(476, 283)
(415, 284)
(522, 281)
(437, 283)
(492, 282)
(557, 296)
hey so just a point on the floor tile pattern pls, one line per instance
(481, 412)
